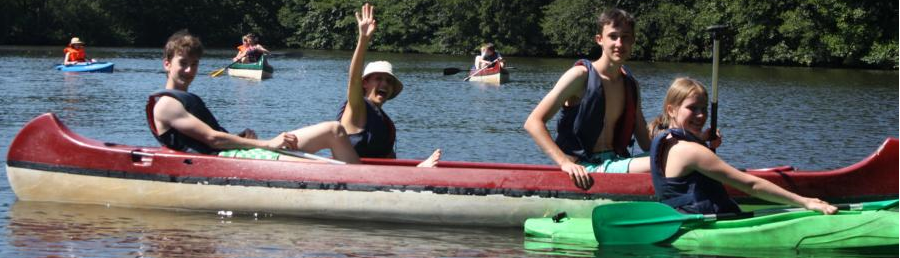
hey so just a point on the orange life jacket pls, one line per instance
(75, 55)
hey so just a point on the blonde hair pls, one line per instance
(682, 88)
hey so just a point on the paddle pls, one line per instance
(218, 72)
(305, 155)
(479, 70)
(715, 33)
(451, 70)
(651, 222)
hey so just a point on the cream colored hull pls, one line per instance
(392, 206)
(249, 73)
(497, 78)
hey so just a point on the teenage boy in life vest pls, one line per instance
(180, 120)
(75, 52)
(601, 109)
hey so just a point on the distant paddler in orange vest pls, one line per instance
(75, 52)
(250, 50)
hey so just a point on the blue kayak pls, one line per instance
(101, 67)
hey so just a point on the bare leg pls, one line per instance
(639, 165)
(431, 161)
(327, 135)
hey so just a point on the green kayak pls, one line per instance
(800, 229)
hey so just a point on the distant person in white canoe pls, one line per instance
(489, 57)
(180, 120)
(75, 53)
(371, 131)
(250, 50)
(688, 176)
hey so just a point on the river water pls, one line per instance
(810, 118)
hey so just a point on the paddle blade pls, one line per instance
(882, 205)
(449, 71)
(628, 223)
(218, 72)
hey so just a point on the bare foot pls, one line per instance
(431, 161)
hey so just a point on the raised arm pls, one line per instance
(354, 118)
(702, 159)
(570, 85)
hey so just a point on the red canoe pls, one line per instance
(493, 75)
(48, 162)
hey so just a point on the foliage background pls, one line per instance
(832, 33)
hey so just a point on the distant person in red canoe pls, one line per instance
(250, 50)
(75, 53)
(180, 120)
(371, 131)
(601, 109)
(489, 57)
(688, 176)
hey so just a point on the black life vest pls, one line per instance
(377, 138)
(173, 139)
(580, 126)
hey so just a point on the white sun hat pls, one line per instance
(75, 40)
(387, 68)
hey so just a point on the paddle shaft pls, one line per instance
(715, 32)
(220, 70)
(305, 155)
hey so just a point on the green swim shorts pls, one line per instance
(255, 153)
(607, 162)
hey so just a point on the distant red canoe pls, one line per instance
(493, 75)
(48, 162)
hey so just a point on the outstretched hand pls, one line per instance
(366, 21)
(284, 141)
(819, 205)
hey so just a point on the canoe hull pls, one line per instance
(805, 229)
(259, 71)
(97, 67)
(424, 207)
(494, 75)
(48, 162)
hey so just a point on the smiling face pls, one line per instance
(379, 87)
(180, 71)
(616, 40)
(689, 115)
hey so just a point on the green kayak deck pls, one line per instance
(802, 229)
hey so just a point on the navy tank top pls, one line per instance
(694, 193)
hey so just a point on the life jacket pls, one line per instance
(252, 53)
(694, 193)
(491, 58)
(175, 140)
(378, 136)
(580, 126)
(75, 55)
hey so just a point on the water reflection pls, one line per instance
(54, 229)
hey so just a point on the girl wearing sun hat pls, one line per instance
(372, 132)
(75, 52)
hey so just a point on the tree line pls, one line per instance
(830, 33)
